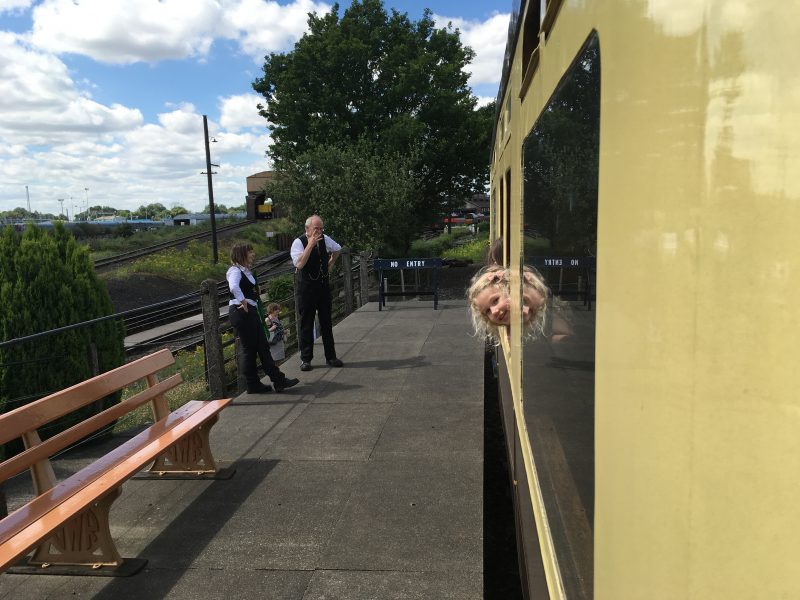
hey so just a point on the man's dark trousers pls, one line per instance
(315, 297)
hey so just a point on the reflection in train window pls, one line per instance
(560, 240)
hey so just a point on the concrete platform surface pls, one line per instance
(360, 483)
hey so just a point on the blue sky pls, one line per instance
(103, 99)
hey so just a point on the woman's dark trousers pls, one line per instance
(254, 344)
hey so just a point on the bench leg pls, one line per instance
(84, 540)
(189, 455)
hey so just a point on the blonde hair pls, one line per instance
(494, 276)
(272, 307)
(533, 280)
(498, 277)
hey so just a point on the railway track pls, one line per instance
(138, 253)
(183, 307)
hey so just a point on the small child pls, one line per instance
(489, 298)
(489, 301)
(277, 346)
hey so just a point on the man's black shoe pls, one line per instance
(259, 389)
(335, 362)
(305, 366)
(286, 384)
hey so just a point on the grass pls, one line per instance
(102, 247)
(473, 251)
(192, 264)
(191, 366)
(436, 246)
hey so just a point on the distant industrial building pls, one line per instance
(198, 218)
(258, 205)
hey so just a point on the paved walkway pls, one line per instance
(360, 483)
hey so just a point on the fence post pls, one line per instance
(94, 368)
(213, 340)
(363, 273)
(347, 271)
(94, 363)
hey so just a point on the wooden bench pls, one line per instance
(66, 523)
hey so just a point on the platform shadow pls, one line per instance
(172, 552)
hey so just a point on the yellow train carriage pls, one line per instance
(653, 426)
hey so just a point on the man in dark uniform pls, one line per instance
(314, 253)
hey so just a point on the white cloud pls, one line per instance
(14, 5)
(40, 104)
(265, 27)
(126, 31)
(56, 138)
(238, 112)
(488, 40)
(130, 31)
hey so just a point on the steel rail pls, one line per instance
(130, 255)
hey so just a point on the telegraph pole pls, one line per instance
(28, 195)
(210, 193)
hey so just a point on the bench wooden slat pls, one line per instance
(40, 412)
(58, 442)
(33, 523)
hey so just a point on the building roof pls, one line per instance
(256, 182)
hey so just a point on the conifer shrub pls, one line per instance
(47, 281)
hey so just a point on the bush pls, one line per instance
(436, 246)
(280, 289)
(48, 282)
(124, 231)
(474, 251)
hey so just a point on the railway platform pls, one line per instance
(360, 483)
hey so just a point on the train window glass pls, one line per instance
(561, 157)
(530, 40)
(493, 211)
(508, 114)
(500, 131)
(501, 202)
(507, 222)
(549, 15)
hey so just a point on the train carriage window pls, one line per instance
(530, 44)
(507, 219)
(561, 157)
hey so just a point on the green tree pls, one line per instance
(380, 76)
(219, 209)
(366, 199)
(48, 281)
(561, 161)
(21, 214)
(155, 210)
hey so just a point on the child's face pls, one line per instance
(274, 313)
(532, 302)
(493, 303)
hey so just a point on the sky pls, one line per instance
(102, 101)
